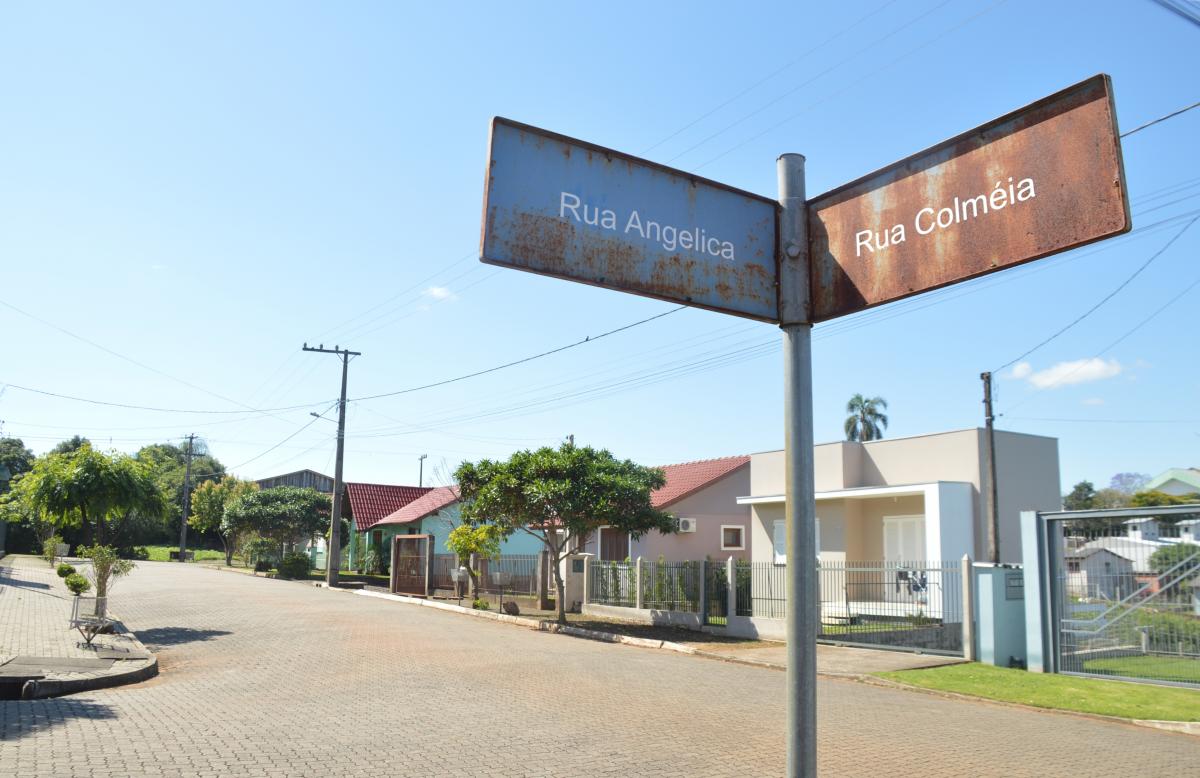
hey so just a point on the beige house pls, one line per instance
(912, 499)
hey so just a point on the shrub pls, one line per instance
(258, 549)
(50, 549)
(481, 605)
(77, 583)
(262, 566)
(372, 562)
(106, 566)
(64, 570)
(294, 565)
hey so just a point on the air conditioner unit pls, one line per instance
(687, 525)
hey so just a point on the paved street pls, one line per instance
(262, 677)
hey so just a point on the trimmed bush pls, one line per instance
(64, 570)
(294, 565)
(77, 583)
(481, 605)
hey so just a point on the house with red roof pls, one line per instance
(436, 513)
(367, 504)
(703, 496)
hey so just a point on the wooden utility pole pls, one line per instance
(187, 498)
(989, 435)
(333, 554)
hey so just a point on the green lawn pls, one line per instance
(1163, 667)
(1062, 692)
(162, 553)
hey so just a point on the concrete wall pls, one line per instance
(1027, 472)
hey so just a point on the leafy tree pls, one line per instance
(15, 459)
(1128, 483)
(285, 514)
(562, 495)
(70, 446)
(1154, 498)
(1183, 559)
(106, 566)
(1082, 497)
(866, 420)
(89, 489)
(1111, 498)
(168, 462)
(482, 539)
(209, 501)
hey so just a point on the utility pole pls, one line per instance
(333, 553)
(187, 498)
(989, 435)
(421, 473)
(799, 485)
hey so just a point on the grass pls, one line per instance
(1058, 692)
(163, 553)
(1165, 667)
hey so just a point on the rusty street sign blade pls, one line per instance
(1043, 179)
(562, 207)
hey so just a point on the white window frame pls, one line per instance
(781, 558)
(901, 520)
(741, 546)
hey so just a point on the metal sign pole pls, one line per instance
(798, 436)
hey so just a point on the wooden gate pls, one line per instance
(412, 564)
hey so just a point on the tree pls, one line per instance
(209, 501)
(90, 489)
(1153, 498)
(1111, 498)
(560, 496)
(168, 463)
(866, 420)
(15, 459)
(1182, 559)
(1082, 497)
(482, 539)
(1128, 483)
(70, 446)
(285, 514)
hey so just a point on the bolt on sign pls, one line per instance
(1040, 180)
(562, 207)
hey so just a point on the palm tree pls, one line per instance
(866, 420)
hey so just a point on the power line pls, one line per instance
(1105, 421)
(1171, 115)
(314, 420)
(1106, 298)
(1181, 8)
(155, 409)
(588, 339)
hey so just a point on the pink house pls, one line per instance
(703, 497)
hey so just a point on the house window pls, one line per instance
(1072, 566)
(904, 538)
(377, 538)
(731, 537)
(779, 540)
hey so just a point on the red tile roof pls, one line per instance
(434, 500)
(687, 478)
(371, 502)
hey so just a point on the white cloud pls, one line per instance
(1079, 371)
(440, 293)
(1094, 401)
(1022, 370)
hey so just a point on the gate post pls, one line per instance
(638, 599)
(731, 593)
(1035, 557)
(587, 579)
(968, 609)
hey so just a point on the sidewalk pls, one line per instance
(843, 661)
(35, 639)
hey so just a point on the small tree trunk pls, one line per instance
(561, 588)
(228, 545)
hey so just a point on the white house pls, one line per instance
(913, 499)
(1177, 481)
(1099, 573)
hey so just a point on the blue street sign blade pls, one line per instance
(565, 208)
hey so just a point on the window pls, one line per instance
(1072, 565)
(779, 540)
(904, 538)
(731, 537)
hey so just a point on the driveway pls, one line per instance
(263, 677)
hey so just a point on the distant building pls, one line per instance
(305, 479)
(1177, 481)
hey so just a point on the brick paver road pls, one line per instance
(264, 677)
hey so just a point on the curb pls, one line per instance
(1191, 728)
(39, 690)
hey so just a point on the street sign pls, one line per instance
(562, 207)
(1040, 180)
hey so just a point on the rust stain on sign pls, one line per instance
(1040, 180)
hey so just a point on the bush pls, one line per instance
(481, 605)
(50, 549)
(106, 566)
(64, 570)
(77, 583)
(140, 553)
(372, 562)
(294, 565)
(262, 566)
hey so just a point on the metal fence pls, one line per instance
(613, 583)
(914, 605)
(514, 574)
(1126, 591)
(761, 590)
(671, 586)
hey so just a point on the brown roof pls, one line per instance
(431, 501)
(371, 502)
(687, 478)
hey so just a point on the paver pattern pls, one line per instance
(274, 678)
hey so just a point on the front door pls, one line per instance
(614, 545)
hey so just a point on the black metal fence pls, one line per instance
(671, 586)
(613, 583)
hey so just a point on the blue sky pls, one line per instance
(198, 190)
